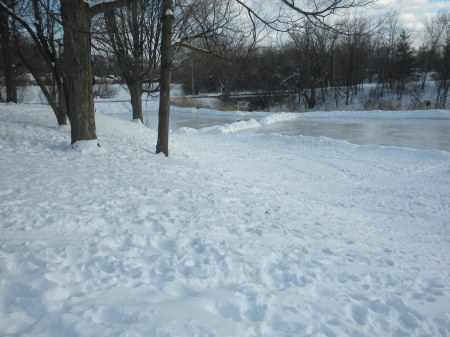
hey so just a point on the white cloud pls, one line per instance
(420, 5)
(414, 14)
(386, 3)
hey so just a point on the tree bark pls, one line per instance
(136, 100)
(162, 144)
(61, 111)
(9, 70)
(76, 18)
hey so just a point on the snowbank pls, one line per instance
(233, 127)
(279, 117)
(235, 234)
(86, 146)
(248, 124)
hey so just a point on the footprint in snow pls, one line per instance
(327, 251)
(359, 314)
(198, 245)
(378, 307)
(229, 310)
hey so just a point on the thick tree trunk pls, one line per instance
(10, 78)
(9, 70)
(162, 144)
(78, 69)
(61, 112)
(136, 100)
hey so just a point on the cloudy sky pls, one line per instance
(413, 14)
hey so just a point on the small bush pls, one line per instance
(189, 102)
(104, 91)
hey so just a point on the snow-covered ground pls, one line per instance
(235, 234)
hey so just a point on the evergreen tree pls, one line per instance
(404, 63)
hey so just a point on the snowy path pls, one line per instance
(235, 234)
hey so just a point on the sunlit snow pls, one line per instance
(234, 234)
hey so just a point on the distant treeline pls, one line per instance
(314, 59)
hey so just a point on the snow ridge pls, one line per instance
(249, 124)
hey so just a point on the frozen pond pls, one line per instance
(412, 133)
(197, 121)
(179, 119)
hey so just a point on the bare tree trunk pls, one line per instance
(136, 100)
(10, 76)
(311, 99)
(443, 87)
(347, 94)
(162, 144)
(78, 69)
(61, 115)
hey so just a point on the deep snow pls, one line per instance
(235, 234)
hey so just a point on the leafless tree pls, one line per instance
(428, 53)
(75, 17)
(438, 35)
(312, 48)
(34, 25)
(132, 34)
(182, 27)
(7, 53)
(352, 54)
(285, 15)
(162, 144)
